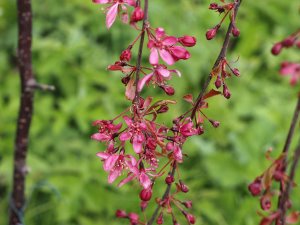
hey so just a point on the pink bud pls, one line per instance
(160, 219)
(210, 34)
(213, 6)
(168, 89)
(226, 92)
(134, 218)
(235, 31)
(137, 15)
(255, 187)
(183, 187)
(188, 204)
(125, 55)
(190, 218)
(146, 194)
(288, 42)
(143, 205)
(276, 48)
(169, 179)
(163, 109)
(187, 41)
(125, 80)
(265, 202)
(236, 72)
(215, 123)
(218, 82)
(121, 214)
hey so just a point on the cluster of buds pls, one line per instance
(263, 187)
(226, 9)
(290, 41)
(137, 126)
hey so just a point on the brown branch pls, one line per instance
(139, 57)
(285, 191)
(221, 56)
(25, 111)
(166, 194)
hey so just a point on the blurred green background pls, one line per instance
(71, 50)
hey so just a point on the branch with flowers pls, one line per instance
(157, 150)
(277, 172)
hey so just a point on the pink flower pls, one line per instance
(177, 152)
(162, 45)
(115, 164)
(158, 76)
(112, 11)
(292, 69)
(135, 133)
(106, 130)
(139, 174)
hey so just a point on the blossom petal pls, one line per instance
(144, 180)
(111, 15)
(170, 40)
(163, 72)
(125, 136)
(103, 155)
(110, 162)
(153, 58)
(143, 81)
(101, 1)
(113, 175)
(101, 137)
(126, 180)
(166, 56)
(130, 2)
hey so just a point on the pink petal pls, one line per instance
(130, 2)
(166, 56)
(101, 1)
(143, 81)
(110, 162)
(159, 32)
(113, 175)
(177, 154)
(170, 40)
(176, 71)
(125, 136)
(101, 137)
(153, 58)
(130, 90)
(144, 180)
(126, 180)
(128, 121)
(163, 72)
(137, 145)
(103, 155)
(111, 15)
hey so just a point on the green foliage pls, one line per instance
(72, 48)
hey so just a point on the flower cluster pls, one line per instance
(138, 147)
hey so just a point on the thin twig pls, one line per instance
(221, 56)
(140, 53)
(283, 197)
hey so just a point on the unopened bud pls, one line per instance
(265, 202)
(183, 187)
(210, 34)
(169, 179)
(218, 82)
(168, 89)
(190, 218)
(121, 214)
(235, 31)
(160, 219)
(276, 48)
(226, 92)
(255, 187)
(236, 72)
(125, 55)
(215, 123)
(125, 80)
(187, 41)
(288, 42)
(146, 194)
(137, 15)
(188, 204)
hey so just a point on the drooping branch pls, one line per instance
(285, 190)
(221, 56)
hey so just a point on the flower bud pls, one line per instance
(235, 31)
(265, 202)
(215, 123)
(125, 55)
(218, 82)
(236, 72)
(121, 214)
(125, 80)
(143, 205)
(160, 219)
(137, 15)
(226, 92)
(168, 89)
(169, 179)
(187, 41)
(188, 204)
(255, 187)
(146, 194)
(134, 218)
(210, 34)
(276, 48)
(190, 218)
(183, 187)
(288, 42)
